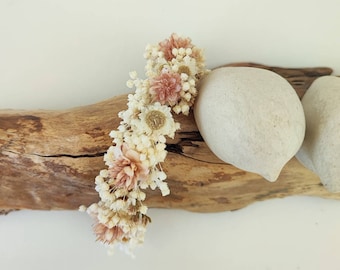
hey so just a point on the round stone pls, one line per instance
(320, 151)
(251, 118)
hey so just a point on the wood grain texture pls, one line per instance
(49, 159)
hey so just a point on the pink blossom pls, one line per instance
(108, 235)
(174, 41)
(127, 169)
(165, 88)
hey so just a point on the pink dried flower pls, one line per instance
(127, 169)
(106, 234)
(174, 41)
(165, 88)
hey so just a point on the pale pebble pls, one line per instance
(251, 118)
(320, 151)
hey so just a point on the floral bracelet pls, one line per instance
(173, 68)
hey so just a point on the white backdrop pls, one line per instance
(60, 54)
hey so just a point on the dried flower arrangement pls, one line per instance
(173, 69)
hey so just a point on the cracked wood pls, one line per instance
(49, 159)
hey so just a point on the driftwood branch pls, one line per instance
(49, 159)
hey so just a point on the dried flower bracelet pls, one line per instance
(173, 69)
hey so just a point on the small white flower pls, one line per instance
(143, 209)
(82, 208)
(184, 77)
(104, 186)
(102, 218)
(120, 192)
(186, 86)
(132, 201)
(99, 179)
(145, 140)
(109, 157)
(115, 219)
(184, 108)
(188, 51)
(144, 185)
(156, 120)
(118, 205)
(133, 75)
(104, 195)
(164, 188)
(161, 175)
(141, 196)
(153, 185)
(130, 84)
(93, 208)
(162, 139)
(133, 194)
(187, 96)
(181, 51)
(176, 109)
(104, 173)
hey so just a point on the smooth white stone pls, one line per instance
(320, 151)
(251, 118)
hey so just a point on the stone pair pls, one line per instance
(253, 119)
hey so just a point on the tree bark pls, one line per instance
(49, 159)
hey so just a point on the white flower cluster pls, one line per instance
(133, 163)
(178, 56)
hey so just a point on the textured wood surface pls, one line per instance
(49, 159)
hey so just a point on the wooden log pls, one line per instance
(49, 159)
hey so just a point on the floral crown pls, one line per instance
(173, 69)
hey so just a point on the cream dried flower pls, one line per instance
(156, 120)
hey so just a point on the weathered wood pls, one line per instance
(49, 159)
